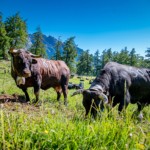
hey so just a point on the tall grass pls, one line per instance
(54, 126)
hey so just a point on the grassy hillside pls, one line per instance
(53, 126)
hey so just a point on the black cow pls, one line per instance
(29, 70)
(125, 84)
(75, 86)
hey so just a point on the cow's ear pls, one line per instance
(102, 71)
(34, 61)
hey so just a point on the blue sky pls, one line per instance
(96, 24)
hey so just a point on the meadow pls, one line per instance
(52, 126)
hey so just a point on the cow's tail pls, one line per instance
(80, 91)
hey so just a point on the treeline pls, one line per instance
(91, 64)
(13, 34)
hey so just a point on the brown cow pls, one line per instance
(29, 70)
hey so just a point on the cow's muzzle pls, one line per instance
(26, 73)
(20, 80)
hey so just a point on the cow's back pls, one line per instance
(52, 72)
(136, 80)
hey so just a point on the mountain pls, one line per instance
(50, 42)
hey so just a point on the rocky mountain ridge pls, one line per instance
(50, 43)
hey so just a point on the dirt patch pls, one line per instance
(12, 98)
(17, 103)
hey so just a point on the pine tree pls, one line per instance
(147, 53)
(115, 56)
(140, 61)
(123, 57)
(106, 56)
(57, 55)
(81, 65)
(103, 58)
(85, 63)
(16, 30)
(89, 61)
(69, 53)
(38, 46)
(97, 62)
(109, 55)
(4, 40)
(133, 57)
(147, 59)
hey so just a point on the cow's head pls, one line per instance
(22, 61)
(93, 100)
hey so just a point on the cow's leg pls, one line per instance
(36, 92)
(65, 91)
(37, 86)
(58, 91)
(26, 94)
(58, 95)
(64, 86)
(124, 101)
(122, 105)
(139, 111)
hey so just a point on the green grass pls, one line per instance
(54, 126)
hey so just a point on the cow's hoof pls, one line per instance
(37, 104)
(140, 117)
(66, 104)
(28, 102)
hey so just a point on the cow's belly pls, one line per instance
(140, 93)
(49, 82)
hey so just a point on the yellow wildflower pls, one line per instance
(46, 131)
(140, 146)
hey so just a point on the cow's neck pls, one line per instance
(12, 67)
(12, 64)
(96, 87)
(101, 83)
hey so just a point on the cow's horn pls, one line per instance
(35, 56)
(103, 97)
(12, 50)
(77, 92)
